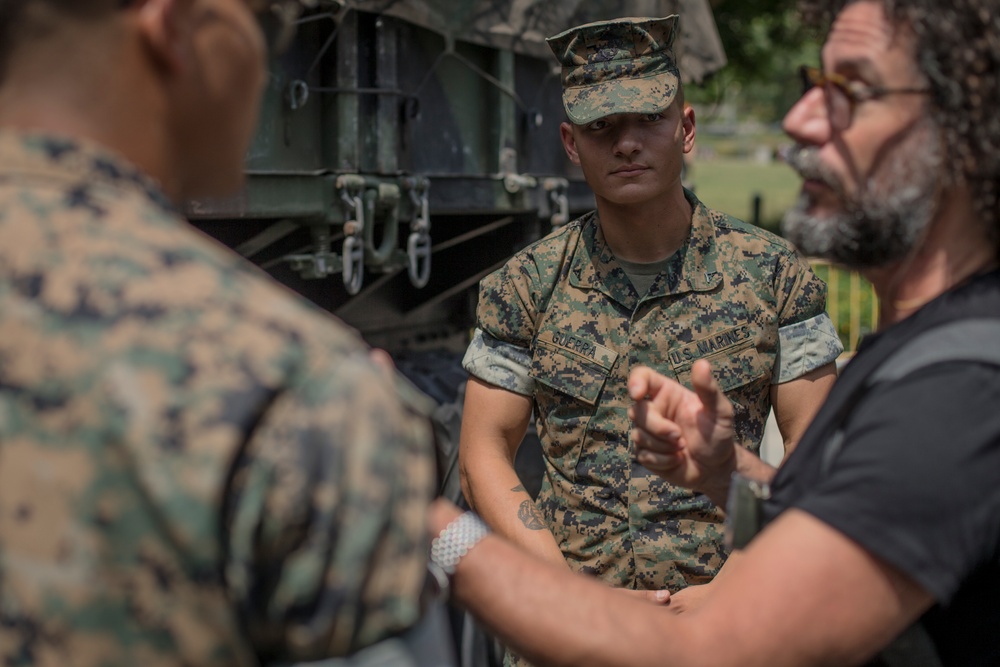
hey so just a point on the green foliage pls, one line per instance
(759, 35)
(765, 42)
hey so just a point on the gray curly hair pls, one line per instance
(958, 51)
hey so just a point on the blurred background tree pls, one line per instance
(765, 42)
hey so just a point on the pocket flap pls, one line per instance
(737, 368)
(571, 364)
(732, 353)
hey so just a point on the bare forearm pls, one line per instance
(494, 491)
(554, 617)
(797, 402)
(791, 601)
(493, 426)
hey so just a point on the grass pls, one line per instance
(730, 184)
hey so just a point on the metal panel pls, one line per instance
(364, 111)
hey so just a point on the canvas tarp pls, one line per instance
(523, 25)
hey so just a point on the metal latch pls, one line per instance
(557, 191)
(418, 244)
(354, 246)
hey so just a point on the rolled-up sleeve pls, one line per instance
(500, 351)
(501, 364)
(807, 338)
(805, 346)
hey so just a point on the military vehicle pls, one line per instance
(406, 148)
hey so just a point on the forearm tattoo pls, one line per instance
(529, 516)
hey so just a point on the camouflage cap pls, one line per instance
(622, 66)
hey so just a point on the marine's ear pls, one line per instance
(569, 142)
(163, 27)
(689, 127)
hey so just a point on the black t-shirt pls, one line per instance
(917, 481)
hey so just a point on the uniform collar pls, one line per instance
(78, 163)
(693, 268)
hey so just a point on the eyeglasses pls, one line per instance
(278, 21)
(842, 95)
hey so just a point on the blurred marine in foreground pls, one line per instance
(880, 536)
(196, 467)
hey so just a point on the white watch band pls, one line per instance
(456, 540)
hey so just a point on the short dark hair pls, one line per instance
(958, 52)
(24, 20)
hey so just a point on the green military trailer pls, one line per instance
(406, 148)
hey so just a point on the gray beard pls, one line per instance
(885, 221)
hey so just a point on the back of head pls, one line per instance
(958, 52)
(173, 87)
(23, 21)
(625, 65)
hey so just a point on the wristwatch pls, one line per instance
(449, 547)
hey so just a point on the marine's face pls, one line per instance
(870, 178)
(631, 159)
(218, 94)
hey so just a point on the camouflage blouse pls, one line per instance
(196, 466)
(562, 322)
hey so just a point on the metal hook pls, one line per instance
(418, 245)
(354, 264)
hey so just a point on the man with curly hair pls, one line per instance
(881, 537)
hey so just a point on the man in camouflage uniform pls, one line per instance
(654, 278)
(196, 466)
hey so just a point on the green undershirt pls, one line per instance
(642, 274)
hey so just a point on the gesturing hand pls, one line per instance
(684, 436)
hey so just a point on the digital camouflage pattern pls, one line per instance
(522, 25)
(196, 467)
(565, 299)
(621, 66)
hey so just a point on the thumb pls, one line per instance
(706, 387)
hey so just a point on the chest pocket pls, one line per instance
(732, 353)
(571, 365)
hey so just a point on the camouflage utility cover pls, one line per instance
(196, 467)
(523, 25)
(622, 66)
(730, 295)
